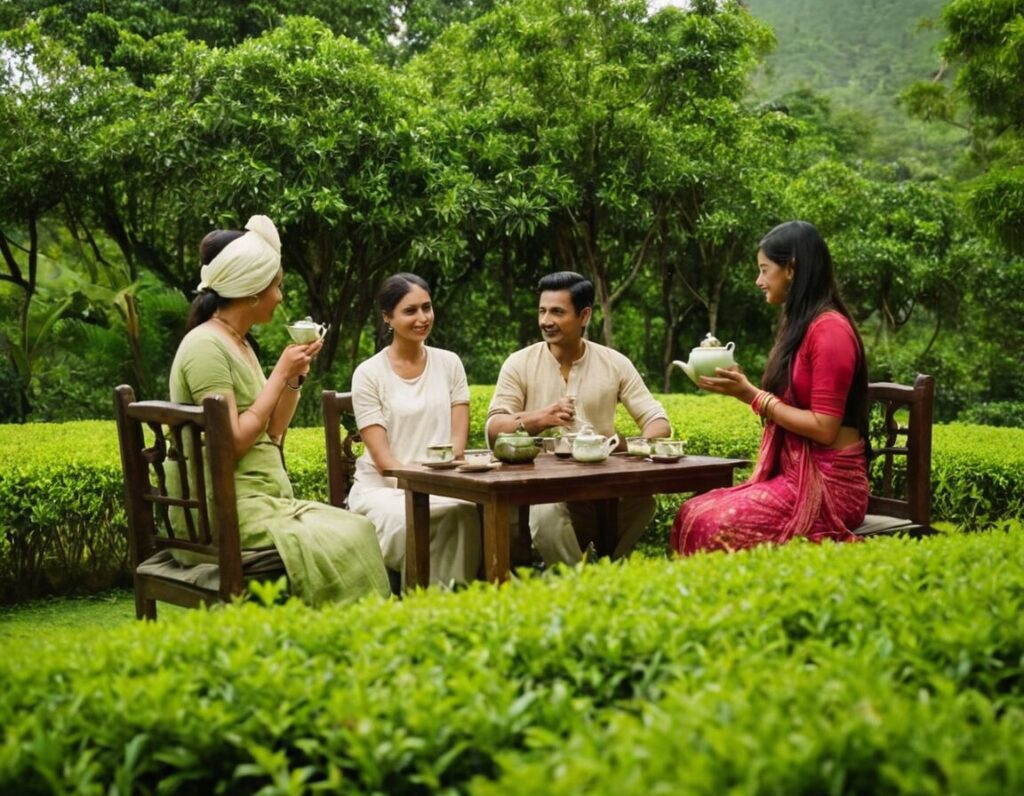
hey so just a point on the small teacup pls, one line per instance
(307, 331)
(563, 444)
(439, 453)
(477, 457)
(638, 446)
(668, 447)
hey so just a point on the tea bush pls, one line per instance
(994, 413)
(62, 523)
(895, 666)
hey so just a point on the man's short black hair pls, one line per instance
(580, 288)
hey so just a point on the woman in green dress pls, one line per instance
(330, 554)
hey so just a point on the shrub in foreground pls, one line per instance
(893, 666)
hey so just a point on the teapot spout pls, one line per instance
(685, 367)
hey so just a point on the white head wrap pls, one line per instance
(248, 264)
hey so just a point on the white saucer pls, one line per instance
(441, 465)
(478, 468)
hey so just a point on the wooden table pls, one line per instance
(547, 480)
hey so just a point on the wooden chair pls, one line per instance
(911, 514)
(341, 456)
(193, 445)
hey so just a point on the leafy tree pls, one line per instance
(985, 42)
(106, 31)
(50, 109)
(589, 129)
(299, 124)
(423, 21)
(891, 238)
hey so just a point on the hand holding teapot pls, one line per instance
(729, 381)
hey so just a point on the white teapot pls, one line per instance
(307, 330)
(710, 354)
(589, 446)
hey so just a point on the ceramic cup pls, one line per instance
(668, 447)
(477, 457)
(305, 332)
(638, 446)
(563, 444)
(439, 453)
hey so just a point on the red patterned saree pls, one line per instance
(797, 489)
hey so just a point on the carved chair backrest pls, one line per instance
(912, 441)
(180, 490)
(341, 457)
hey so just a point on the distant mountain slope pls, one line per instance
(865, 47)
(861, 53)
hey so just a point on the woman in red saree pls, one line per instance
(811, 474)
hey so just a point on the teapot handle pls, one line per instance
(730, 346)
(612, 442)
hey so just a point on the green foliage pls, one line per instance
(976, 471)
(523, 137)
(62, 524)
(994, 413)
(893, 666)
(116, 32)
(101, 611)
(890, 239)
(985, 42)
(613, 143)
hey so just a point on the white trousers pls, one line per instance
(553, 527)
(455, 539)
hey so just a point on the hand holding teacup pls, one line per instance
(293, 364)
(560, 413)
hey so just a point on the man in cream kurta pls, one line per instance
(567, 381)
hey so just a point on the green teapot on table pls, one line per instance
(516, 447)
(710, 354)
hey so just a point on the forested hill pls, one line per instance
(861, 53)
(855, 47)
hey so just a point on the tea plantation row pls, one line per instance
(892, 666)
(62, 523)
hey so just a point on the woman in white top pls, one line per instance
(407, 397)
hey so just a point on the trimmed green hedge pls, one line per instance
(895, 666)
(62, 522)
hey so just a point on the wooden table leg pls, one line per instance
(496, 540)
(417, 539)
(607, 525)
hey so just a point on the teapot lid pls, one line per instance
(307, 321)
(588, 433)
(519, 436)
(710, 341)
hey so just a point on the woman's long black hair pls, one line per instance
(209, 301)
(812, 292)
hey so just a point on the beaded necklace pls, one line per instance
(242, 342)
